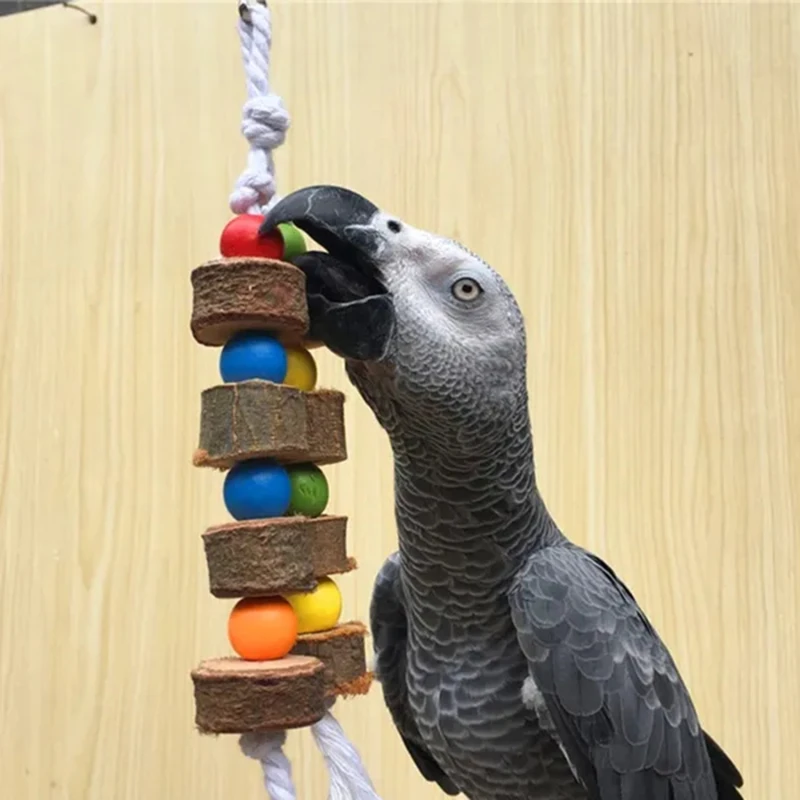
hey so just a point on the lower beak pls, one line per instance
(349, 307)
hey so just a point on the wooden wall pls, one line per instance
(631, 170)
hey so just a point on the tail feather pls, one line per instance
(726, 775)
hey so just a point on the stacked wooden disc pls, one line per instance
(271, 436)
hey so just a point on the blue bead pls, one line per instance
(257, 489)
(253, 354)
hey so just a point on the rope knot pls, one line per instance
(255, 188)
(265, 121)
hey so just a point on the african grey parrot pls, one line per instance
(514, 664)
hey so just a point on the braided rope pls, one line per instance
(348, 778)
(265, 120)
(268, 749)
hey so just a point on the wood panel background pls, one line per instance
(631, 170)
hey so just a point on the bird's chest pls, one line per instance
(466, 699)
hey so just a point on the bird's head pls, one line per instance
(432, 337)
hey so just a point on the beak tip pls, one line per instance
(265, 227)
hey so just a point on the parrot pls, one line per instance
(514, 663)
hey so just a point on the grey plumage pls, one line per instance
(390, 636)
(515, 665)
(612, 690)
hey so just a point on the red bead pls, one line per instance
(240, 238)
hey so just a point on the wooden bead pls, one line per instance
(319, 609)
(262, 628)
(301, 369)
(240, 239)
(293, 242)
(309, 490)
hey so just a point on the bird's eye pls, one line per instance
(394, 226)
(466, 290)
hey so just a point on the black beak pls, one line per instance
(349, 308)
(334, 217)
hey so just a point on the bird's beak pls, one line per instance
(349, 307)
(338, 219)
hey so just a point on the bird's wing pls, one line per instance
(612, 692)
(389, 631)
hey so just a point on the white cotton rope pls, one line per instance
(265, 120)
(348, 778)
(264, 125)
(268, 749)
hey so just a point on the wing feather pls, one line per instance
(618, 704)
(389, 633)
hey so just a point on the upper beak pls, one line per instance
(337, 218)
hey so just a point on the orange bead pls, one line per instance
(262, 628)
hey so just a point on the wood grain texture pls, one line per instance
(631, 170)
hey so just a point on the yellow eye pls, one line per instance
(466, 290)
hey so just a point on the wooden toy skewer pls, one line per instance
(258, 421)
(268, 428)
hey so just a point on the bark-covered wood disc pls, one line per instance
(258, 558)
(237, 294)
(341, 649)
(236, 696)
(259, 419)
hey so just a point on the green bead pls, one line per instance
(294, 244)
(309, 490)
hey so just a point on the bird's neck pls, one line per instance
(467, 521)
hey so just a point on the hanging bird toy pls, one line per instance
(270, 429)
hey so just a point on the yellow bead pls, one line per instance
(319, 609)
(301, 370)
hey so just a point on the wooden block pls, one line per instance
(341, 649)
(236, 696)
(326, 436)
(275, 556)
(259, 419)
(236, 294)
